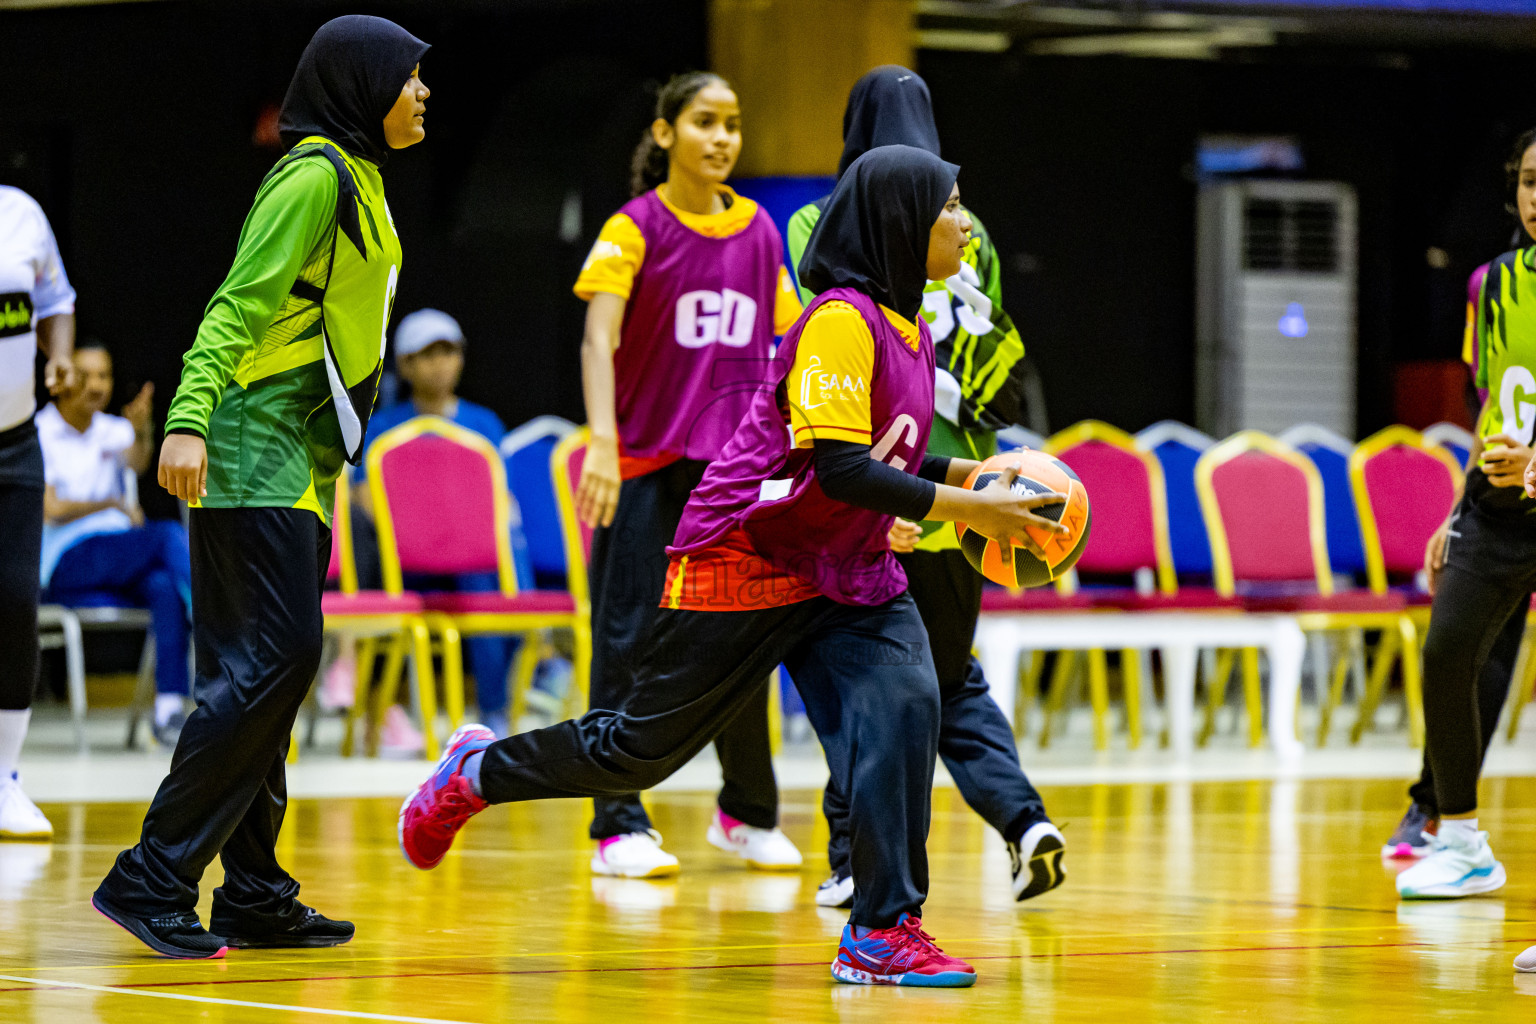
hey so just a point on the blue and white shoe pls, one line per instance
(836, 891)
(1459, 864)
(903, 955)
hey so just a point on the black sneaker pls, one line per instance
(1036, 861)
(302, 928)
(180, 935)
(1410, 840)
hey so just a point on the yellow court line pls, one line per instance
(971, 940)
(109, 990)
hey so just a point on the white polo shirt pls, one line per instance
(82, 466)
(32, 286)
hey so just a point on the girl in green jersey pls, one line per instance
(275, 395)
(1481, 565)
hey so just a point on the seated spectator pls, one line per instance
(95, 539)
(429, 356)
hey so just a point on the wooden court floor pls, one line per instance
(1188, 902)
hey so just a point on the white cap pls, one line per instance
(422, 328)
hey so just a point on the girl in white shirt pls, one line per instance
(37, 311)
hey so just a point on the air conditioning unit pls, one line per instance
(1276, 306)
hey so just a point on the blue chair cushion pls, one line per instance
(1346, 552)
(1186, 525)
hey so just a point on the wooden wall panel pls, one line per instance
(793, 62)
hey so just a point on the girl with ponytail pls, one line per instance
(686, 289)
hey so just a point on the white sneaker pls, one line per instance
(1036, 861)
(767, 849)
(1525, 963)
(836, 891)
(634, 855)
(1457, 866)
(19, 816)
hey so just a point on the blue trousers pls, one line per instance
(870, 691)
(975, 740)
(149, 567)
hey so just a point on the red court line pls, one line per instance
(42, 983)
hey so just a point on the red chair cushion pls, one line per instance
(1187, 599)
(370, 602)
(442, 502)
(1040, 599)
(1123, 538)
(1343, 603)
(1411, 493)
(1262, 500)
(528, 602)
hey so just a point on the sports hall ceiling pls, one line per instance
(1217, 29)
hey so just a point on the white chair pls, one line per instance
(1010, 438)
(1456, 439)
(62, 627)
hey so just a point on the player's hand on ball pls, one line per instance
(1530, 478)
(597, 496)
(184, 466)
(1006, 515)
(904, 536)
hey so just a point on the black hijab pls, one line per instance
(889, 106)
(873, 233)
(349, 77)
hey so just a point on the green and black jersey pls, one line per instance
(1506, 369)
(282, 375)
(984, 355)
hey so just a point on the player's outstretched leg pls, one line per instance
(431, 817)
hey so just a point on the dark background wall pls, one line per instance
(1083, 170)
(133, 124)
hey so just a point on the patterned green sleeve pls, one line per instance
(988, 267)
(293, 213)
(800, 227)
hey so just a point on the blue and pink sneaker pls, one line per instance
(433, 815)
(903, 955)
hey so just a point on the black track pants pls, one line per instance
(1490, 572)
(256, 580)
(870, 692)
(628, 574)
(21, 552)
(975, 739)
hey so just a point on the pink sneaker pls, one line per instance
(399, 739)
(431, 817)
(339, 687)
(903, 955)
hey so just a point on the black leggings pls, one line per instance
(1493, 684)
(21, 552)
(1489, 574)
